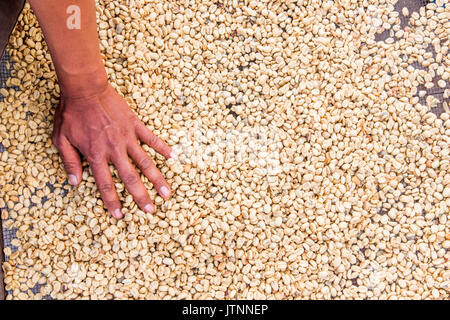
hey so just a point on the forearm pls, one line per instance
(75, 51)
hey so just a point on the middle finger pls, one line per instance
(133, 182)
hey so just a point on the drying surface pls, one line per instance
(206, 242)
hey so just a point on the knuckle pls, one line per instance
(145, 163)
(115, 148)
(115, 144)
(153, 139)
(70, 165)
(130, 179)
(106, 187)
(125, 132)
(95, 158)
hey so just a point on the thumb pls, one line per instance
(71, 161)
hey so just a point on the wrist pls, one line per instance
(84, 82)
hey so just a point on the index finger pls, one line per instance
(150, 139)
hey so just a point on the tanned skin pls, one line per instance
(92, 118)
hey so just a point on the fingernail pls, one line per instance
(149, 208)
(173, 156)
(117, 214)
(164, 191)
(73, 179)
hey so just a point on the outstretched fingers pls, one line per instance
(148, 168)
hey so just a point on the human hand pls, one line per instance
(105, 130)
